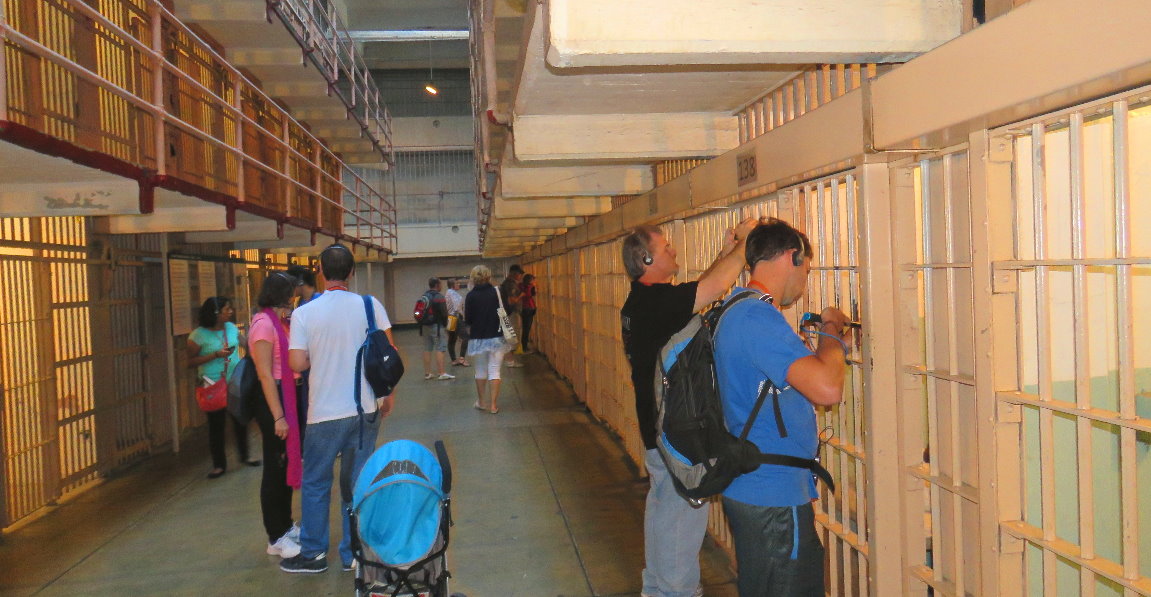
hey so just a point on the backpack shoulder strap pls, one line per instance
(370, 311)
(722, 309)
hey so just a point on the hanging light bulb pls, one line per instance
(430, 87)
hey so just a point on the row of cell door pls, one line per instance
(81, 358)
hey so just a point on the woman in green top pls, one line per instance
(212, 350)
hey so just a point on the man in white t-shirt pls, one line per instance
(326, 334)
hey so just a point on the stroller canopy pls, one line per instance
(397, 501)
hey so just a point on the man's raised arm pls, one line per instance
(726, 267)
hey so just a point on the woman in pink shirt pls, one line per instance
(281, 413)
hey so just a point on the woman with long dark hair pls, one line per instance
(212, 350)
(280, 414)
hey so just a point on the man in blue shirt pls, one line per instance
(770, 509)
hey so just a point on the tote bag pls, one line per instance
(505, 321)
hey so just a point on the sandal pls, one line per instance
(477, 406)
(494, 411)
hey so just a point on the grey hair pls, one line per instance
(636, 245)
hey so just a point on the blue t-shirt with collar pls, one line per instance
(754, 342)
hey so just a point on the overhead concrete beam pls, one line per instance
(336, 129)
(316, 113)
(248, 228)
(181, 219)
(364, 158)
(293, 237)
(222, 10)
(624, 136)
(595, 33)
(566, 181)
(550, 207)
(269, 56)
(534, 223)
(351, 146)
(112, 196)
(297, 88)
(526, 233)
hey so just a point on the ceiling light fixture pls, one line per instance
(430, 86)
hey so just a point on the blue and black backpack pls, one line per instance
(702, 456)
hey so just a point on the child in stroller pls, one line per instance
(401, 513)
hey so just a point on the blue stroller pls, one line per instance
(401, 513)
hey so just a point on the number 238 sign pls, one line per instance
(745, 168)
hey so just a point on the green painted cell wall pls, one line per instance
(1105, 481)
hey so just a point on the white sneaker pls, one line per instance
(446, 376)
(294, 533)
(284, 547)
(429, 376)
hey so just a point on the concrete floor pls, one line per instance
(545, 504)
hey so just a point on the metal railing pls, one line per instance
(326, 42)
(132, 82)
(803, 93)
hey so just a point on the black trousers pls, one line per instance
(216, 422)
(463, 338)
(772, 563)
(275, 493)
(527, 315)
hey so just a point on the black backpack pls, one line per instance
(244, 391)
(377, 359)
(702, 456)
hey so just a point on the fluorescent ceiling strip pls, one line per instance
(408, 35)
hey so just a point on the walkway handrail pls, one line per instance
(321, 33)
(352, 200)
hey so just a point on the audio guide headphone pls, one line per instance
(647, 260)
(797, 256)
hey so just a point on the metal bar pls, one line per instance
(1069, 551)
(955, 421)
(1084, 450)
(1043, 344)
(1142, 424)
(1125, 315)
(1023, 264)
(3, 114)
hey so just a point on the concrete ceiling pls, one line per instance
(597, 91)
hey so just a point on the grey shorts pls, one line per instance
(435, 338)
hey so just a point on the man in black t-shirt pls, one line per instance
(654, 310)
(511, 294)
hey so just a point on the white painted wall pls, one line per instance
(411, 279)
(432, 132)
(414, 240)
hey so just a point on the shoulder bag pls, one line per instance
(215, 397)
(505, 322)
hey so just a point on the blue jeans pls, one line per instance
(322, 444)
(673, 532)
